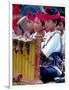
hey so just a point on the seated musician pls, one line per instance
(50, 47)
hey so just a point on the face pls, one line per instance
(37, 25)
(30, 26)
(61, 26)
(49, 25)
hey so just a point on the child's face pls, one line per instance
(30, 26)
(37, 25)
(61, 26)
(49, 25)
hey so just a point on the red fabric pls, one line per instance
(41, 16)
(55, 16)
(62, 19)
(30, 16)
(16, 9)
(15, 18)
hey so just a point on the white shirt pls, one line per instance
(63, 42)
(53, 45)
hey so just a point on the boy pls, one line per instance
(50, 47)
(38, 24)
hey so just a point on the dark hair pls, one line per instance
(53, 11)
(56, 21)
(42, 23)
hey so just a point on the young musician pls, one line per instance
(50, 47)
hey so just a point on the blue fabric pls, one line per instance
(48, 74)
(55, 60)
(24, 9)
